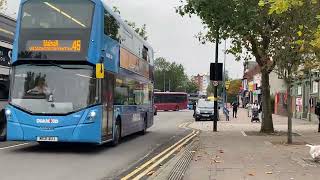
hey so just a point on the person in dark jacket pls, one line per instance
(317, 112)
(194, 106)
(235, 106)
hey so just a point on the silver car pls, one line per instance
(204, 110)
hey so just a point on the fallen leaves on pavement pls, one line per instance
(151, 173)
(217, 161)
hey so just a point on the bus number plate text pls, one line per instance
(47, 139)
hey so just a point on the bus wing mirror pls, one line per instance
(100, 71)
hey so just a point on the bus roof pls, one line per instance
(128, 28)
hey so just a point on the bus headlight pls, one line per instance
(8, 112)
(91, 116)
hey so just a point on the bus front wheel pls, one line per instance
(117, 133)
(3, 126)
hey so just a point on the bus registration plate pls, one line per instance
(47, 139)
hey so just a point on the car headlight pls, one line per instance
(198, 111)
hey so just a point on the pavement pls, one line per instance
(238, 151)
(83, 162)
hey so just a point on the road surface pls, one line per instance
(84, 162)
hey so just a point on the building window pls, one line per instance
(299, 90)
(315, 87)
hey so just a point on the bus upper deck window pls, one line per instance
(145, 53)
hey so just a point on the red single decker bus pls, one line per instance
(171, 101)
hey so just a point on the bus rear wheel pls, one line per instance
(177, 108)
(117, 134)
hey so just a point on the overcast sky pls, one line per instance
(170, 35)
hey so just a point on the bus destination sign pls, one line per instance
(54, 45)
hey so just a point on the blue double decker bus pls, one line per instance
(79, 74)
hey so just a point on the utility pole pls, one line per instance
(224, 73)
(215, 121)
(164, 81)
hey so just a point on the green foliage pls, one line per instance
(191, 87)
(234, 89)
(252, 31)
(142, 31)
(311, 9)
(172, 77)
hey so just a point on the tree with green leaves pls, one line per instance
(290, 53)
(311, 26)
(234, 89)
(142, 31)
(251, 29)
(191, 87)
(172, 77)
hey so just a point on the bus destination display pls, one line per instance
(54, 45)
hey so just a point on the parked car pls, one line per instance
(204, 110)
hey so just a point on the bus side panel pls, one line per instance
(131, 119)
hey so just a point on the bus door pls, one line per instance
(108, 95)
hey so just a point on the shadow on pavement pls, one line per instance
(73, 148)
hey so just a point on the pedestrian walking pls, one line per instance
(249, 109)
(235, 106)
(317, 111)
(194, 107)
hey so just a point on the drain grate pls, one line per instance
(183, 163)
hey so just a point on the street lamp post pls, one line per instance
(224, 73)
(215, 121)
(164, 81)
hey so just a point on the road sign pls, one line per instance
(216, 71)
(215, 83)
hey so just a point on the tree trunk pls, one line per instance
(267, 123)
(289, 108)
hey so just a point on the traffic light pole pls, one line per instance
(215, 120)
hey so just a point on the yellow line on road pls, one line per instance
(163, 158)
(156, 157)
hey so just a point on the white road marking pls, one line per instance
(17, 145)
(244, 134)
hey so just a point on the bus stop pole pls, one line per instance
(215, 121)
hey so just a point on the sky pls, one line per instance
(171, 35)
